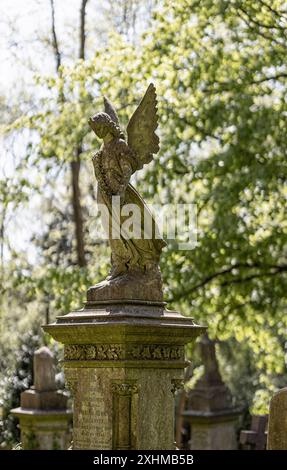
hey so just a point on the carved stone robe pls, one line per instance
(114, 164)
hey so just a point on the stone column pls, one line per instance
(123, 363)
(45, 421)
(277, 423)
(210, 413)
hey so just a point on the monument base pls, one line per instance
(123, 362)
(146, 286)
(44, 430)
(213, 430)
(44, 417)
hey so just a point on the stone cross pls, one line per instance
(277, 427)
(255, 438)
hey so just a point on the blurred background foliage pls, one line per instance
(219, 67)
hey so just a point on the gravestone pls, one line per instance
(256, 437)
(277, 426)
(45, 421)
(210, 413)
(124, 352)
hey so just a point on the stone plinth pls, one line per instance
(210, 413)
(45, 421)
(212, 430)
(123, 363)
(277, 423)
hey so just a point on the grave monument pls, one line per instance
(45, 420)
(210, 412)
(124, 351)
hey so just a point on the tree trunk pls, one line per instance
(54, 36)
(75, 165)
(77, 209)
(82, 29)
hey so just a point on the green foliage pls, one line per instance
(220, 72)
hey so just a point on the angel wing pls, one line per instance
(110, 110)
(141, 128)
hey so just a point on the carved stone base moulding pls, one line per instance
(124, 333)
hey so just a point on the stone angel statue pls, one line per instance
(135, 273)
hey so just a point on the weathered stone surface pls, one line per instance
(124, 323)
(214, 436)
(135, 272)
(117, 352)
(277, 423)
(133, 285)
(34, 400)
(44, 370)
(123, 364)
(44, 430)
(122, 409)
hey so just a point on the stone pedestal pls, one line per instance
(123, 363)
(45, 421)
(210, 413)
(212, 430)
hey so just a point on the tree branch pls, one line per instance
(277, 268)
(228, 86)
(257, 23)
(267, 79)
(264, 35)
(82, 29)
(55, 43)
(280, 14)
(251, 277)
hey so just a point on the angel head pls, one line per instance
(102, 124)
(141, 136)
